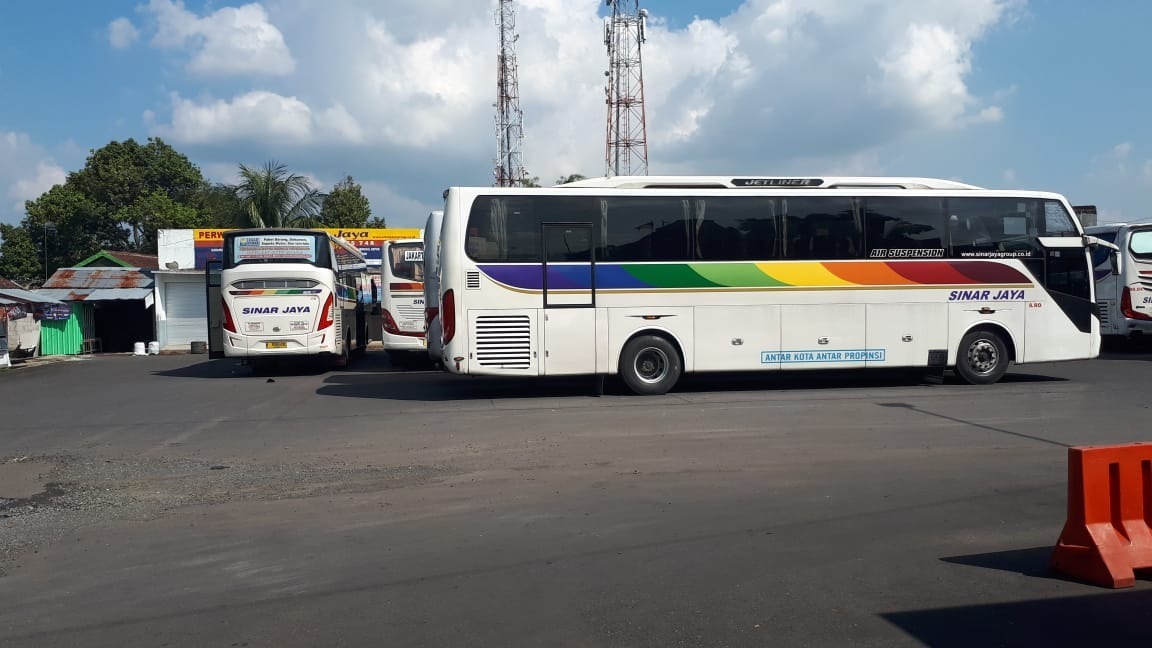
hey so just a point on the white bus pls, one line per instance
(1124, 280)
(651, 277)
(402, 299)
(292, 292)
(432, 283)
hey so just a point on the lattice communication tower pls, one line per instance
(626, 152)
(509, 169)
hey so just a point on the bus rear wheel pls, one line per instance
(650, 365)
(341, 361)
(982, 358)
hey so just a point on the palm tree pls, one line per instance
(272, 197)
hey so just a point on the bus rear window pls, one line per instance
(407, 261)
(271, 248)
(1140, 243)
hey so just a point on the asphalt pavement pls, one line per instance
(177, 501)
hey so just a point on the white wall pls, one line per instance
(176, 245)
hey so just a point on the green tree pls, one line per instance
(346, 206)
(18, 256)
(124, 179)
(272, 197)
(574, 177)
(67, 226)
(526, 181)
(218, 206)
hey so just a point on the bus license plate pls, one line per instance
(275, 345)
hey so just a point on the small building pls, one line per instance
(111, 309)
(181, 308)
(21, 312)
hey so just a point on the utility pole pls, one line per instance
(509, 169)
(626, 148)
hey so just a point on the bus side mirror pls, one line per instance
(1114, 261)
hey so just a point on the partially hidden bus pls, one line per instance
(432, 284)
(651, 277)
(402, 300)
(1124, 280)
(292, 292)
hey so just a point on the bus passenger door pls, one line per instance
(569, 285)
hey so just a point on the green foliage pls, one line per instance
(376, 222)
(18, 256)
(272, 197)
(575, 177)
(71, 226)
(219, 206)
(346, 206)
(124, 193)
(534, 181)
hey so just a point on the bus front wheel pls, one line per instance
(982, 358)
(650, 365)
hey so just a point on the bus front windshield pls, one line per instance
(407, 261)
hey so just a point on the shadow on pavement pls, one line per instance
(433, 385)
(1028, 562)
(1104, 619)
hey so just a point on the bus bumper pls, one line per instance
(393, 342)
(255, 346)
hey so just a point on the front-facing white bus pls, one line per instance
(291, 292)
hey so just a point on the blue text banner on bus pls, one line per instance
(208, 244)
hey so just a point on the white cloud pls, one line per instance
(257, 115)
(122, 33)
(229, 41)
(404, 97)
(26, 171)
(1122, 150)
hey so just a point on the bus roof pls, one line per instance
(770, 182)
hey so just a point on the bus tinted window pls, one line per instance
(507, 228)
(641, 228)
(994, 227)
(895, 223)
(1140, 243)
(741, 228)
(821, 227)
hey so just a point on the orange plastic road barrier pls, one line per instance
(1109, 529)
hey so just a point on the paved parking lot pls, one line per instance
(175, 501)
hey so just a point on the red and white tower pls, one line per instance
(626, 152)
(509, 169)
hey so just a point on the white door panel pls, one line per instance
(569, 341)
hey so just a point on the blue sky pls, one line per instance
(1044, 94)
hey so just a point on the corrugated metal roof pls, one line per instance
(99, 278)
(8, 283)
(25, 296)
(95, 294)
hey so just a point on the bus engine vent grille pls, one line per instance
(504, 341)
(1103, 308)
(472, 280)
